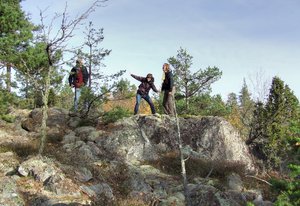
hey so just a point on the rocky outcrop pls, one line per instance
(105, 162)
(145, 137)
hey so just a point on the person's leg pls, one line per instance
(170, 105)
(76, 98)
(137, 103)
(148, 99)
(164, 103)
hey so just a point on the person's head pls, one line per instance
(149, 77)
(79, 62)
(166, 67)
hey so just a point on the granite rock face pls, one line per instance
(145, 137)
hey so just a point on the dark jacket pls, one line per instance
(73, 76)
(145, 86)
(168, 82)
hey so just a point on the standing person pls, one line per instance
(147, 83)
(168, 88)
(78, 78)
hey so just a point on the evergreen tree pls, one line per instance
(187, 83)
(15, 32)
(257, 134)
(246, 108)
(124, 89)
(33, 69)
(232, 100)
(234, 116)
(281, 110)
(271, 127)
(95, 54)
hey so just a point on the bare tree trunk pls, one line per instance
(90, 66)
(186, 98)
(182, 160)
(8, 77)
(45, 96)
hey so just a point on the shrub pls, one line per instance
(6, 100)
(8, 118)
(289, 190)
(115, 114)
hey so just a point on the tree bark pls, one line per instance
(45, 111)
(8, 77)
(182, 160)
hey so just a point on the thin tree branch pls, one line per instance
(257, 178)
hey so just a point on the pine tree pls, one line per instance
(95, 54)
(15, 32)
(234, 116)
(33, 69)
(246, 108)
(187, 83)
(272, 123)
(281, 110)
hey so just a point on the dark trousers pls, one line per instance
(168, 103)
(138, 101)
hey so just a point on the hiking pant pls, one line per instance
(168, 103)
(76, 98)
(138, 101)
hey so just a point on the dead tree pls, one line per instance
(56, 41)
(182, 160)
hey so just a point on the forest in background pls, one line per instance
(31, 59)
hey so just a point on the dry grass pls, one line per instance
(23, 150)
(195, 167)
(131, 202)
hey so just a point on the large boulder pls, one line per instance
(57, 122)
(142, 138)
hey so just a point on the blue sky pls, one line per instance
(249, 39)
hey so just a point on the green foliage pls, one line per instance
(289, 190)
(241, 110)
(189, 84)
(65, 97)
(15, 30)
(246, 108)
(272, 125)
(33, 71)
(115, 114)
(52, 99)
(15, 33)
(88, 100)
(281, 109)
(203, 105)
(8, 118)
(232, 100)
(124, 89)
(6, 99)
(38, 99)
(94, 54)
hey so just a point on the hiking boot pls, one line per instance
(156, 115)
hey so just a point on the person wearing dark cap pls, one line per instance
(147, 83)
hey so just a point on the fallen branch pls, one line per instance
(257, 178)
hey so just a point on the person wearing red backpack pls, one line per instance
(78, 78)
